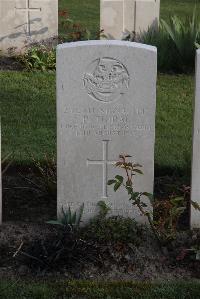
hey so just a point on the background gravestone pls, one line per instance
(106, 100)
(118, 16)
(26, 21)
(195, 191)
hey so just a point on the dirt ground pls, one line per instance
(9, 64)
(139, 263)
(23, 199)
(25, 212)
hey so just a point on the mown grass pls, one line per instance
(100, 290)
(84, 12)
(28, 103)
(28, 115)
(28, 111)
(87, 12)
(174, 116)
(183, 8)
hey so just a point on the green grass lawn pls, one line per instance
(28, 103)
(28, 115)
(28, 109)
(87, 12)
(101, 290)
(179, 7)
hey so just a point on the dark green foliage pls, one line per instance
(136, 198)
(69, 219)
(39, 57)
(176, 43)
(112, 229)
(167, 53)
(167, 215)
(45, 177)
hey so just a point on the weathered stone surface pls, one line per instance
(26, 21)
(106, 99)
(118, 16)
(195, 191)
(147, 15)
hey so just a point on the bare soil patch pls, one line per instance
(10, 64)
(28, 245)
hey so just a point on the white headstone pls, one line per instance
(106, 100)
(118, 16)
(27, 21)
(195, 190)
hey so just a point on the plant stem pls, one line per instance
(151, 224)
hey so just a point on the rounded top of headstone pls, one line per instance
(106, 43)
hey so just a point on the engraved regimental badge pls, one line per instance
(106, 80)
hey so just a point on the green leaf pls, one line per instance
(177, 200)
(73, 219)
(129, 189)
(150, 196)
(119, 178)
(117, 185)
(135, 195)
(65, 217)
(110, 182)
(80, 214)
(197, 45)
(181, 209)
(69, 216)
(138, 171)
(56, 222)
(195, 205)
(137, 165)
(118, 164)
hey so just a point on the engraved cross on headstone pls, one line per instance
(28, 10)
(104, 162)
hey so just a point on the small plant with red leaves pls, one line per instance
(71, 31)
(137, 198)
(167, 214)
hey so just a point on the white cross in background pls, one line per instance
(104, 163)
(28, 10)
